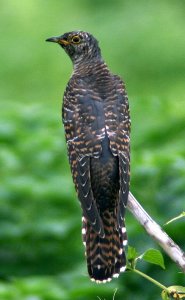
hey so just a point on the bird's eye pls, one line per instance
(76, 39)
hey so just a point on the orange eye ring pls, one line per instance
(76, 39)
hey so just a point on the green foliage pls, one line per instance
(153, 256)
(41, 253)
(132, 253)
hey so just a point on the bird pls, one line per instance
(96, 118)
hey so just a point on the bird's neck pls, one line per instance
(90, 67)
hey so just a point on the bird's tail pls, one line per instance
(105, 256)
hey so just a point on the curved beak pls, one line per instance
(57, 39)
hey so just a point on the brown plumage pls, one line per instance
(97, 125)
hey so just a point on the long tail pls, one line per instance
(105, 256)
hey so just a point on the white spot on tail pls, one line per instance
(116, 275)
(101, 281)
(123, 229)
(98, 281)
(120, 251)
(123, 269)
(83, 231)
(125, 243)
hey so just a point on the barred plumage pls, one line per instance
(97, 125)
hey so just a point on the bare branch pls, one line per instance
(155, 231)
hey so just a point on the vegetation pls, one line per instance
(41, 253)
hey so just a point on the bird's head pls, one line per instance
(79, 45)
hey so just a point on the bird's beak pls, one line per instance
(58, 39)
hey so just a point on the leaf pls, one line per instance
(131, 257)
(182, 215)
(153, 256)
(164, 295)
(132, 253)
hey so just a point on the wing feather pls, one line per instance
(84, 133)
(86, 196)
(118, 130)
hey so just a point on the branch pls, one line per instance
(155, 231)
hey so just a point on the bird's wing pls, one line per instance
(117, 120)
(82, 118)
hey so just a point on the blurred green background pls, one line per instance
(41, 253)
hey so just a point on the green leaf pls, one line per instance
(164, 295)
(131, 257)
(182, 215)
(153, 256)
(132, 253)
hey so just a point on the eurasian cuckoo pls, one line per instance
(97, 126)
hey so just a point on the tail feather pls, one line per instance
(105, 256)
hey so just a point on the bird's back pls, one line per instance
(93, 108)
